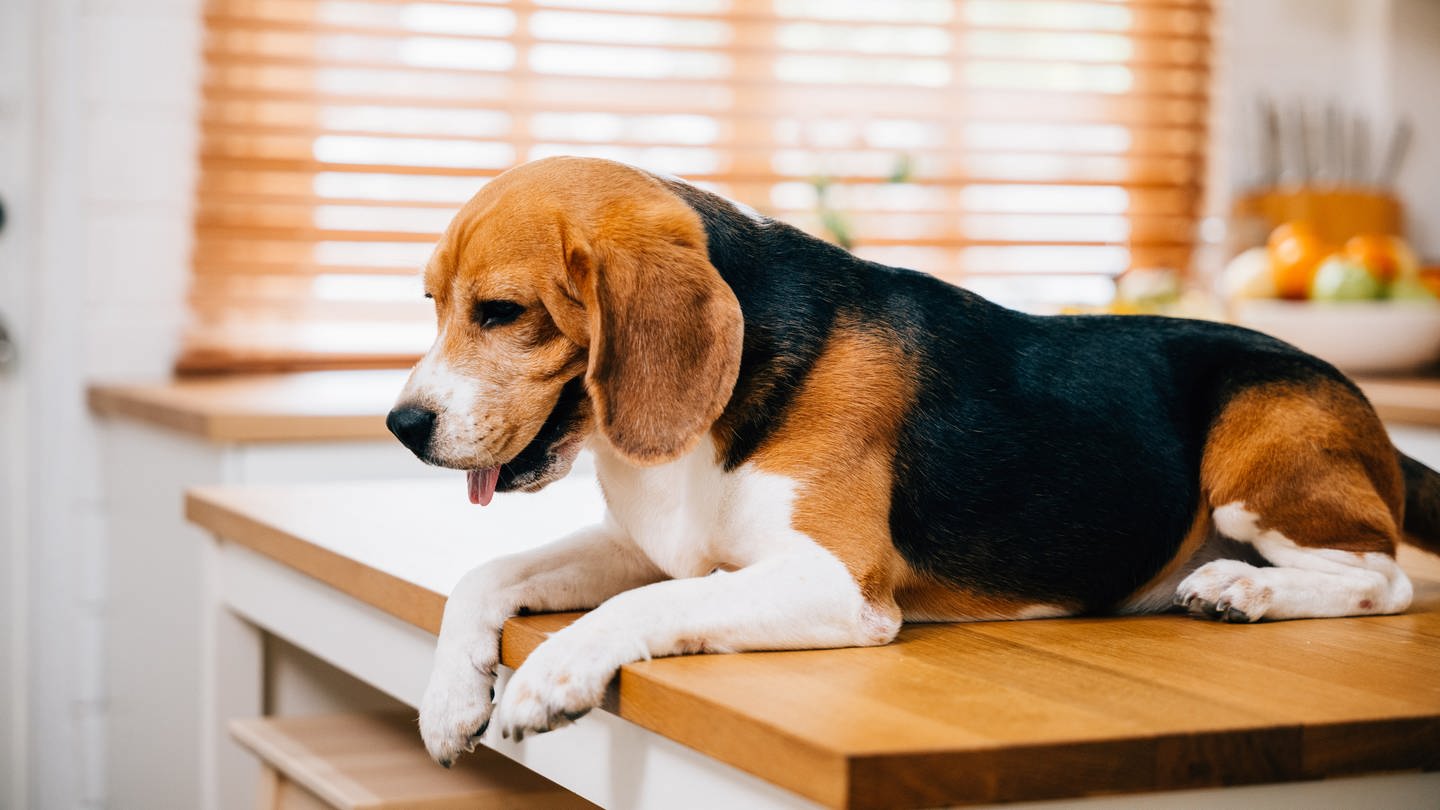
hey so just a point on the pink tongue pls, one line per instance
(482, 484)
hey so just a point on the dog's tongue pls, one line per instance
(482, 484)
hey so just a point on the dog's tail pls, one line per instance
(1422, 504)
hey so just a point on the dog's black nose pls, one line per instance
(412, 426)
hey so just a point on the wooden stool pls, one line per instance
(375, 761)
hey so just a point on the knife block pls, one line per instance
(1335, 212)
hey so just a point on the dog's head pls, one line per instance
(571, 295)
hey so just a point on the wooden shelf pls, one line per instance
(963, 713)
(376, 762)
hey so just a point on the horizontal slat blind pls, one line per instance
(1031, 149)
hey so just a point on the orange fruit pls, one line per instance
(1296, 251)
(1386, 257)
(1430, 277)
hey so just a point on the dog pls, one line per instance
(802, 449)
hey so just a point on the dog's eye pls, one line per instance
(495, 313)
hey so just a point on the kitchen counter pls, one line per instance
(962, 713)
(310, 406)
(1404, 400)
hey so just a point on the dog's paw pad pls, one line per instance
(551, 690)
(455, 710)
(1225, 590)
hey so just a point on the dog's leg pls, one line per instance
(575, 573)
(1306, 475)
(797, 601)
(1304, 582)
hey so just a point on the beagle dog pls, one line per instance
(802, 449)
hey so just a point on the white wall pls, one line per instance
(1414, 65)
(115, 153)
(1377, 57)
(17, 112)
(141, 102)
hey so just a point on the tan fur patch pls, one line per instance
(923, 599)
(665, 329)
(838, 442)
(1313, 461)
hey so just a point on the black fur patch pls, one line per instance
(1048, 458)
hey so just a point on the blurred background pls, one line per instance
(237, 186)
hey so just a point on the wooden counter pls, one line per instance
(313, 406)
(948, 713)
(1404, 400)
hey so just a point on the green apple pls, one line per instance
(1342, 279)
(1410, 288)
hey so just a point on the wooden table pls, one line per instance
(356, 573)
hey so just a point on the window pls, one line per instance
(1029, 149)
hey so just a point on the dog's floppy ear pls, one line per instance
(665, 330)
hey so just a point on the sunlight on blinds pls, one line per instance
(1028, 149)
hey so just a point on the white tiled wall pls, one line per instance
(115, 149)
(140, 87)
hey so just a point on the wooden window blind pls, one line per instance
(1029, 149)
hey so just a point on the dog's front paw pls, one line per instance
(557, 685)
(1227, 590)
(457, 704)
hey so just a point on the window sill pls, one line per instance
(312, 406)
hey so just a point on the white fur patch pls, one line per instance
(1303, 582)
(455, 398)
(1041, 612)
(577, 572)
(1036, 611)
(743, 579)
(755, 216)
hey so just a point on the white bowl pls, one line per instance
(1356, 336)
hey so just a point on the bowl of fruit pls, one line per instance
(1366, 306)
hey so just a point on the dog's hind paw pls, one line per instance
(1224, 590)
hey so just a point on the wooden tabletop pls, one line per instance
(1405, 400)
(947, 713)
(312, 406)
